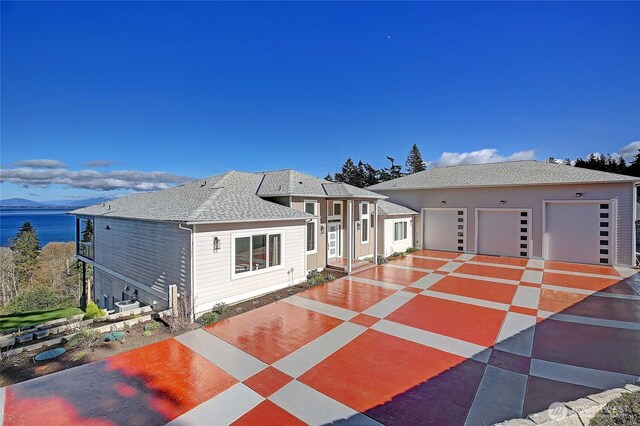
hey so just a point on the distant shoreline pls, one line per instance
(41, 207)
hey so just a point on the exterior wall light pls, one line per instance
(578, 194)
(216, 244)
(502, 201)
(443, 202)
(107, 228)
(321, 229)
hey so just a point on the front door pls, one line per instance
(333, 240)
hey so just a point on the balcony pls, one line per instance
(85, 249)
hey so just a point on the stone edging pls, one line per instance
(574, 413)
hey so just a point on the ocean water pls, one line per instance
(50, 224)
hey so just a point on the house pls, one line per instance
(526, 209)
(224, 238)
(396, 225)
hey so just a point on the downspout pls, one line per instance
(634, 242)
(192, 261)
(375, 232)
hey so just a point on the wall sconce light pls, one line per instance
(321, 229)
(107, 228)
(578, 194)
(502, 201)
(443, 202)
(134, 296)
(358, 226)
(216, 244)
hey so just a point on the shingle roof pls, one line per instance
(387, 208)
(228, 197)
(291, 182)
(514, 173)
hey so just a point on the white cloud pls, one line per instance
(42, 164)
(91, 179)
(487, 155)
(629, 151)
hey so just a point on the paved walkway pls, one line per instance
(435, 337)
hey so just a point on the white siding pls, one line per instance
(526, 197)
(148, 256)
(213, 271)
(390, 245)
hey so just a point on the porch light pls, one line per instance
(216, 244)
(134, 296)
(107, 228)
(321, 229)
(443, 202)
(502, 201)
(358, 226)
(578, 194)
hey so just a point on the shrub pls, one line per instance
(150, 327)
(37, 298)
(330, 277)
(85, 339)
(315, 278)
(412, 250)
(221, 308)
(208, 318)
(93, 311)
(382, 260)
(181, 319)
(7, 357)
(624, 410)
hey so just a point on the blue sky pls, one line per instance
(194, 89)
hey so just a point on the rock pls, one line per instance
(516, 422)
(585, 408)
(632, 388)
(557, 415)
(603, 398)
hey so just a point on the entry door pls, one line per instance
(332, 240)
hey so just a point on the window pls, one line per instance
(310, 207)
(257, 252)
(364, 223)
(400, 231)
(337, 208)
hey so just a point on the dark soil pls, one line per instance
(621, 411)
(22, 367)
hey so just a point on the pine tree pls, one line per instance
(87, 233)
(414, 162)
(26, 248)
(634, 166)
(328, 177)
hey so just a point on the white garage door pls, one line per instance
(503, 232)
(578, 232)
(444, 229)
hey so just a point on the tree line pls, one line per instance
(363, 174)
(34, 277)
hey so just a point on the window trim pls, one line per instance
(267, 232)
(406, 230)
(315, 227)
(364, 230)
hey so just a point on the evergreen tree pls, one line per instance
(634, 167)
(393, 172)
(87, 233)
(552, 160)
(414, 162)
(328, 177)
(25, 247)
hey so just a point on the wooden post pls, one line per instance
(83, 298)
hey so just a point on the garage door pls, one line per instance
(578, 232)
(503, 232)
(444, 229)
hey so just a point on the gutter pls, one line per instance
(193, 278)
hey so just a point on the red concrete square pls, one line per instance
(363, 375)
(475, 324)
(580, 267)
(268, 381)
(391, 275)
(491, 271)
(524, 311)
(150, 385)
(526, 284)
(348, 294)
(485, 290)
(268, 413)
(557, 301)
(364, 320)
(273, 331)
(418, 262)
(500, 260)
(578, 281)
(438, 254)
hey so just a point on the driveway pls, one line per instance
(435, 337)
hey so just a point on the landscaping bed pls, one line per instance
(624, 410)
(21, 367)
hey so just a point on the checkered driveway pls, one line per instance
(436, 337)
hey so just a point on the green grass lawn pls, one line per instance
(36, 317)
